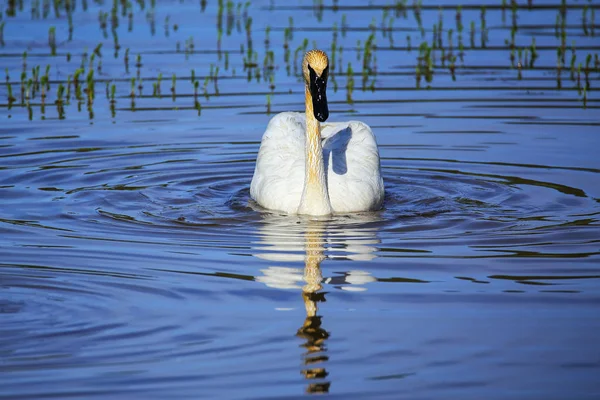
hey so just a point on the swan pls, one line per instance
(305, 167)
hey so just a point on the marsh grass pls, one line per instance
(443, 51)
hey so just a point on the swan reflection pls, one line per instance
(283, 240)
(295, 239)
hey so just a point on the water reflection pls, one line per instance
(312, 331)
(284, 239)
(295, 239)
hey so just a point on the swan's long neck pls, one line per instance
(315, 196)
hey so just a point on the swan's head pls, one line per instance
(315, 67)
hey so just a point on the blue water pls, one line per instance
(133, 263)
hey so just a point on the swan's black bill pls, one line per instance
(318, 91)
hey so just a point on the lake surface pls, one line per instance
(133, 263)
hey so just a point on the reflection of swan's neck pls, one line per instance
(311, 330)
(312, 269)
(315, 195)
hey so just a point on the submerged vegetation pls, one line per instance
(248, 44)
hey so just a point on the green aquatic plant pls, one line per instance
(584, 20)
(43, 94)
(452, 67)
(126, 61)
(59, 102)
(440, 26)
(52, 40)
(189, 47)
(384, 21)
(340, 63)
(2, 24)
(349, 84)
(11, 99)
(586, 71)
(116, 44)
(167, 25)
(424, 63)
(373, 25)
(23, 80)
(368, 54)
(248, 26)
(579, 87)
(558, 67)
(68, 95)
(47, 76)
(158, 83)
(483, 27)
(534, 53)
(215, 79)
(138, 66)
(573, 60)
(90, 90)
(417, 13)
(267, 37)
(512, 56)
(140, 87)
(418, 76)
(103, 20)
(97, 50)
(472, 34)
(173, 86)
(400, 8)
(198, 106)
(24, 58)
(318, 8)
(113, 101)
(268, 103)
(514, 8)
(28, 90)
(35, 73)
(130, 22)
(76, 84)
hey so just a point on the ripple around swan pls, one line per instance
(441, 201)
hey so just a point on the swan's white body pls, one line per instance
(351, 161)
(305, 167)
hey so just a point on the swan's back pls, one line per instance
(353, 167)
(351, 159)
(279, 174)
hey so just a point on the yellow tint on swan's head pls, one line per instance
(317, 60)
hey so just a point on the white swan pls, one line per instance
(304, 167)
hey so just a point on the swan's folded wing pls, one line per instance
(353, 166)
(279, 174)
